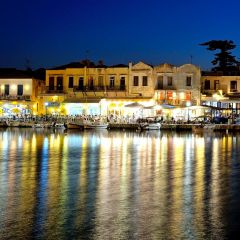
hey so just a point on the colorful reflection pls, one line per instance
(118, 185)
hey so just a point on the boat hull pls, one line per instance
(151, 126)
(95, 126)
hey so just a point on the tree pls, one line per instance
(224, 61)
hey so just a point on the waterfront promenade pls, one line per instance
(131, 124)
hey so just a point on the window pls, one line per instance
(169, 81)
(70, 82)
(80, 83)
(207, 85)
(20, 90)
(112, 81)
(189, 81)
(135, 80)
(233, 86)
(90, 83)
(100, 81)
(6, 89)
(59, 83)
(160, 82)
(145, 81)
(51, 83)
(122, 83)
(216, 84)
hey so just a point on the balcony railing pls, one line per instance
(116, 88)
(54, 89)
(98, 88)
(88, 88)
(15, 97)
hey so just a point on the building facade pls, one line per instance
(178, 86)
(221, 92)
(87, 88)
(19, 91)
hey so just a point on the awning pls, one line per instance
(198, 107)
(229, 101)
(82, 100)
(134, 105)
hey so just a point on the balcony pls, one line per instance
(116, 88)
(88, 88)
(15, 97)
(50, 90)
(98, 88)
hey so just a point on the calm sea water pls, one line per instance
(118, 185)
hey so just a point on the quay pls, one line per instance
(136, 126)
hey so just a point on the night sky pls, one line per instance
(47, 33)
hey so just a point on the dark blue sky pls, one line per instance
(51, 33)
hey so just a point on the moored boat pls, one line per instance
(74, 126)
(203, 128)
(12, 123)
(150, 126)
(59, 125)
(95, 125)
(38, 125)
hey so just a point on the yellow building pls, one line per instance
(221, 92)
(19, 92)
(86, 88)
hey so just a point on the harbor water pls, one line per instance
(103, 184)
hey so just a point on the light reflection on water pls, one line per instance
(118, 185)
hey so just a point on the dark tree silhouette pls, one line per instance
(224, 61)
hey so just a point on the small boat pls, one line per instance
(203, 128)
(38, 125)
(12, 123)
(3, 124)
(209, 127)
(150, 126)
(74, 126)
(59, 125)
(25, 124)
(95, 125)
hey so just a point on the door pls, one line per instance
(80, 83)
(6, 90)
(51, 83)
(20, 90)
(122, 83)
(160, 82)
(59, 83)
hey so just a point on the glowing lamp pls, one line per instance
(188, 104)
(182, 95)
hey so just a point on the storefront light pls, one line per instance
(14, 87)
(182, 95)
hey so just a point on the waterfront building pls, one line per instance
(93, 89)
(19, 91)
(221, 92)
(178, 89)
(82, 87)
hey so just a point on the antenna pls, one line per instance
(87, 54)
(191, 57)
